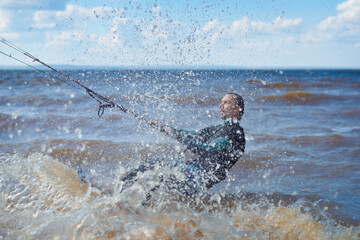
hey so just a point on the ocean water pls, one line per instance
(298, 179)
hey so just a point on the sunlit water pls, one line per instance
(299, 177)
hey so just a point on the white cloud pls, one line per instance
(279, 24)
(72, 14)
(343, 27)
(245, 26)
(18, 15)
(154, 40)
(213, 26)
(114, 38)
(33, 4)
(4, 20)
(244, 33)
(64, 38)
(346, 21)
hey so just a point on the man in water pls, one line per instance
(215, 149)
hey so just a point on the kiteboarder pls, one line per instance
(215, 149)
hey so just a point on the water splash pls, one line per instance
(41, 198)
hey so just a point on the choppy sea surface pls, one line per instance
(298, 179)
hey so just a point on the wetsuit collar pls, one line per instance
(228, 121)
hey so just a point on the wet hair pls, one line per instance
(240, 103)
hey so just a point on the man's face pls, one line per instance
(228, 107)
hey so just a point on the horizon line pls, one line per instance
(173, 67)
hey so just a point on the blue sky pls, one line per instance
(246, 34)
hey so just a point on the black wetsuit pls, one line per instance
(217, 149)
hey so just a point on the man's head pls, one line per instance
(231, 107)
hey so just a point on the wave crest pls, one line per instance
(297, 98)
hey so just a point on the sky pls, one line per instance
(163, 33)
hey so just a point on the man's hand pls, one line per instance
(154, 123)
(162, 127)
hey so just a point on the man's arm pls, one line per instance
(191, 140)
(170, 131)
(198, 147)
